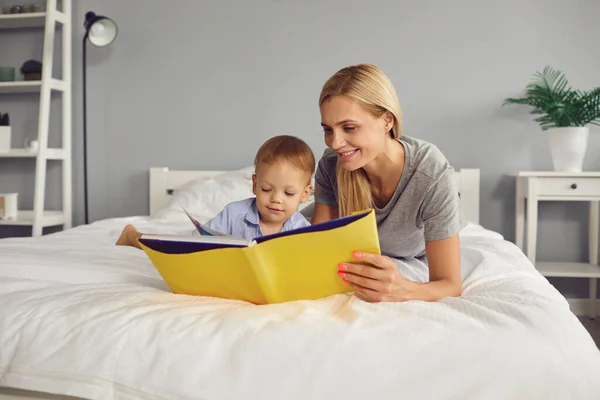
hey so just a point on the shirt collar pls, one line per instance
(252, 217)
(252, 214)
(292, 221)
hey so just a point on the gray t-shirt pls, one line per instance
(424, 207)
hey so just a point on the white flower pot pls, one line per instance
(4, 139)
(8, 206)
(568, 147)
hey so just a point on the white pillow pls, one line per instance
(205, 197)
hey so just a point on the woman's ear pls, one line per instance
(254, 184)
(388, 119)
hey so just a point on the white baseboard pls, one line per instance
(580, 307)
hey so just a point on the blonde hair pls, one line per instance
(374, 91)
(287, 148)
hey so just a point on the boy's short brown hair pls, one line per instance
(286, 148)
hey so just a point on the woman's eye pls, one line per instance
(327, 130)
(350, 128)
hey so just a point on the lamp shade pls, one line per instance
(100, 31)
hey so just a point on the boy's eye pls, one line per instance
(290, 194)
(266, 190)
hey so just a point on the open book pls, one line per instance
(299, 264)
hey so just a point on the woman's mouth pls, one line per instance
(346, 155)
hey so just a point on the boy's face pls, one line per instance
(279, 188)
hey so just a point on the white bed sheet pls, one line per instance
(98, 322)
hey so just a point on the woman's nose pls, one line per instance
(337, 140)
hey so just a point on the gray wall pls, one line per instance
(192, 84)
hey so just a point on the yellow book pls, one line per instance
(300, 264)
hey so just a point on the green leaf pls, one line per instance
(556, 103)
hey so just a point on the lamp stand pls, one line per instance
(85, 177)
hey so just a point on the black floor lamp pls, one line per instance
(100, 31)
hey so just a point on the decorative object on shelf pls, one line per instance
(32, 70)
(32, 8)
(23, 8)
(564, 114)
(5, 133)
(8, 206)
(100, 31)
(31, 145)
(7, 74)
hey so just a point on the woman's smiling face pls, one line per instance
(355, 134)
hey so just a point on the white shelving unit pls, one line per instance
(38, 218)
(533, 187)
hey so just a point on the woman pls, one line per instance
(407, 181)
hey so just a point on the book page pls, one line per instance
(203, 229)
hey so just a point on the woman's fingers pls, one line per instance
(361, 281)
(367, 277)
(367, 271)
(375, 260)
(367, 294)
(373, 279)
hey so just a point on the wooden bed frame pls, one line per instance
(164, 182)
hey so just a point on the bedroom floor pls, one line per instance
(593, 327)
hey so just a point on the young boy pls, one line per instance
(284, 166)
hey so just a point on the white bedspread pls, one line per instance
(82, 317)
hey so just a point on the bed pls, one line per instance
(98, 322)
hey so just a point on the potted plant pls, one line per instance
(32, 70)
(564, 113)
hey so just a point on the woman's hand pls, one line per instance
(376, 278)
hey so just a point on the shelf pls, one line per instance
(568, 269)
(25, 218)
(48, 25)
(51, 154)
(29, 86)
(20, 87)
(28, 20)
(584, 174)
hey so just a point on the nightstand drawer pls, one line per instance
(568, 186)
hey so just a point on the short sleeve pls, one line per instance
(324, 188)
(441, 210)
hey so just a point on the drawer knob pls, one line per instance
(574, 186)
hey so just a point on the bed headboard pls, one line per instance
(163, 182)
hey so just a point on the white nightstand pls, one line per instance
(559, 186)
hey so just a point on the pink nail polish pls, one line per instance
(342, 267)
(342, 274)
(356, 255)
